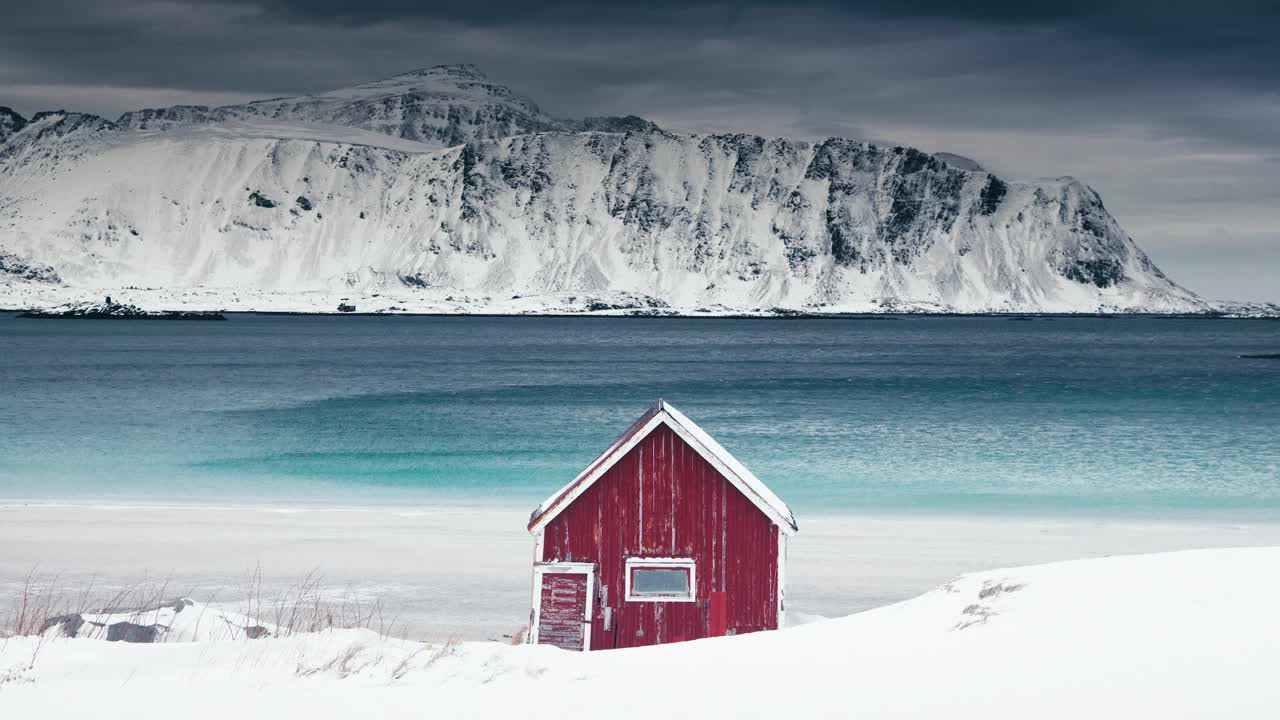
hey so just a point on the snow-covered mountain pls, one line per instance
(441, 190)
(449, 105)
(445, 105)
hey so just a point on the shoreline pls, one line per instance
(416, 505)
(465, 571)
(638, 314)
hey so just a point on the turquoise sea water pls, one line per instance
(1083, 416)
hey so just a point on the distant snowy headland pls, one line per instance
(439, 190)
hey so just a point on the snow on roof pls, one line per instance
(713, 452)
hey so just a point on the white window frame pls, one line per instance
(665, 564)
(564, 568)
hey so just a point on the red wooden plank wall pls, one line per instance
(663, 500)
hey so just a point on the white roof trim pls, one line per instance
(664, 414)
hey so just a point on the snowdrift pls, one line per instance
(1178, 635)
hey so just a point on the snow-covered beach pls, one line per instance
(1175, 635)
(464, 571)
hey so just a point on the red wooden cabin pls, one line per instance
(664, 537)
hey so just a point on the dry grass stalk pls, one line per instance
(42, 602)
(308, 606)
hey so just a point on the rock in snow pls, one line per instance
(440, 184)
(178, 620)
(109, 310)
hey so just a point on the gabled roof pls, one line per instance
(664, 414)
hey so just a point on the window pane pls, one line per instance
(660, 581)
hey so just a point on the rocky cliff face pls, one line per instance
(455, 187)
(10, 123)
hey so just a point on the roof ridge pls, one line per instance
(700, 440)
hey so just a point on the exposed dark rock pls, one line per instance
(134, 624)
(628, 302)
(131, 633)
(37, 138)
(62, 122)
(164, 118)
(992, 193)
(1101, 271)
(10, 123)
(68, 625)
(789, 312)
(261, 200)
(109, 310)
(613, 124)
(27, 270)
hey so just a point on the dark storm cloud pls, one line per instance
(1171, 109)
(1170, 27)
(1139, 14)
(1234, 34)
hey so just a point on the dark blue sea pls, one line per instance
(1149, 417)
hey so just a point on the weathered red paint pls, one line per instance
(564, 604)
(663, 499)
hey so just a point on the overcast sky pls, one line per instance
(1170, 109)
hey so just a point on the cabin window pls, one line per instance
(661, 580)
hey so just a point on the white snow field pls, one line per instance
(1177, 635)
